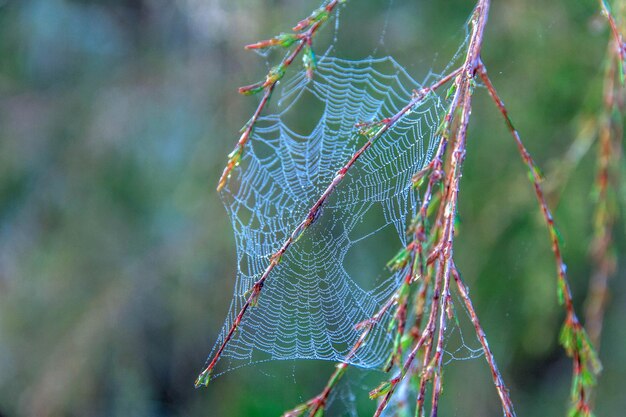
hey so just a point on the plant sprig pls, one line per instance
(300, 41)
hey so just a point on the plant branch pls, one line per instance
(618, 40)
(303, 40)
(503, 392)
(609, 155)
(573, 336)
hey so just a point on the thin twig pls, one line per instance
(618, 39)
(607, 183)
(573, 335)
(303, 40)
(498, 382)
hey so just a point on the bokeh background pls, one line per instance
(116, 256)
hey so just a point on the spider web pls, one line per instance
(312, 300)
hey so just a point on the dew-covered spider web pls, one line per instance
(312, 300)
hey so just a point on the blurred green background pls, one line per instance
(116, 257)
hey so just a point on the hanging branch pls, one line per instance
(619, 46)
(573, 336)
(498, 382)
(610, 136)
(302, 37)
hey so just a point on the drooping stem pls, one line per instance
(498, 382)
(303, 41)
(618, 43)
(607, 183)
(573, 336)
(564, 289)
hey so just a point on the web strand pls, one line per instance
(309, 307)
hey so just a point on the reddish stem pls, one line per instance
(609, 155)
(503, 392)
(571, 320)
(268, 86)
(620, 46)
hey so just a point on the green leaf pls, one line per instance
(590, 353)
(404, 290)
(399, 260)
(587, 378)
(566, 338)
(538, 174)
(286, 39)
(560, 292)
(275, 74)
(249, 90)
(322, 15)
(309, 61)
(451, 91)
(203, 379)
(381, 390)
(405, 341)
